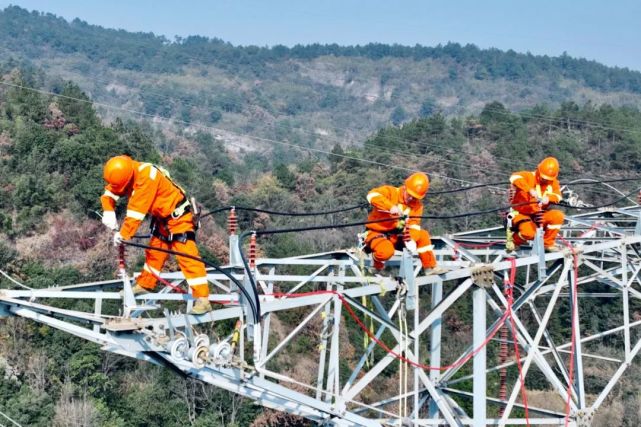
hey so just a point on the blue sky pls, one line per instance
(609, 32)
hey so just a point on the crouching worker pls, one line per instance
(533, 194)
(399, 205)
(150, 190)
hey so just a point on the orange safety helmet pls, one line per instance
(118, 172)
(548, 169)
(417, 185)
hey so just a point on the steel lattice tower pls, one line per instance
(417, 317)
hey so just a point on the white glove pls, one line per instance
(109, 220)
(545, 200)
(117, 239)
(396, 210)
(411, 246)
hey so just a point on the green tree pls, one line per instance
(285, 177)
(428, 107)
(398, 116)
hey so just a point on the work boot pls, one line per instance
(373, 271)
(201, 306)
(553, 248)
(137, 290)
(435, 271)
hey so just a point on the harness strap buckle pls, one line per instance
(181, 208)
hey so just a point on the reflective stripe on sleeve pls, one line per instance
(197, 281)
(424, 249)
(554, 227)
(414, 227)
(514, 178)
(135, 215)
(152, 173)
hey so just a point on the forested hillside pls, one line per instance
(305, 94)
(52, 147)
(306, 128)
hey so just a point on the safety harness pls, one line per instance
(184, 206)
(179, 237)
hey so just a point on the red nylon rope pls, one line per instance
(509, 290)
(575, 302)
(384, 346)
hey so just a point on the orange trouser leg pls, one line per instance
(526, 229)
(382, 248)
(194, 271)
(154, 260)
(425, 250)
(552, 221)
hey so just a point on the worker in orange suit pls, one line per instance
(400, 205)
(533, 194)
(151, 191)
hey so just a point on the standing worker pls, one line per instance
(400, 205)
(151, 190)
(534, 192)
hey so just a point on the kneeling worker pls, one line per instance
(399, 205)
(533, 194)
(151, 190)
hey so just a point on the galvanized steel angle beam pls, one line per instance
(610, 253)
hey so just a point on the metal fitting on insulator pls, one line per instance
(121, 256)
(232, 222)
(538, 218)
(406, 233)
(252, 251)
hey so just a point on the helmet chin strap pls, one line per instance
(130, 182)
(407, 199)
(122, 190)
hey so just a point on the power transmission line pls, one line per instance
(211, 128)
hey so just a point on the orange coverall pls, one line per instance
(152, 192)
(525, 221)
(383, 237)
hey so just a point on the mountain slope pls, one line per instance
(315, 95)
